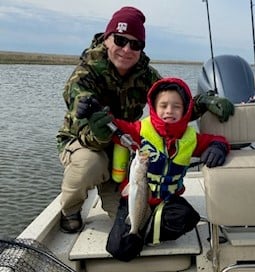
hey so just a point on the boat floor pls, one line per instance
(86, 251)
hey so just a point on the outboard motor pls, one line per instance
(234, 80)
(233, 76)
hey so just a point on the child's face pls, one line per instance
(169, 106)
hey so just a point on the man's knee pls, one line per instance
(85, 170)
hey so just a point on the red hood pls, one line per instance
(174, 130)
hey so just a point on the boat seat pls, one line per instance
(168, 256)
(230, 189)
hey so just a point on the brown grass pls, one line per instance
(10, 57)
(7, 57)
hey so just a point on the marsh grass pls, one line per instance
(10, 57)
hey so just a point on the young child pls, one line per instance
(170, 142)
(166, 135)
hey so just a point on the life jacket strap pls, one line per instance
(157, 223)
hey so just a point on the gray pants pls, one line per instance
(85, 169)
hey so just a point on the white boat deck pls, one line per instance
(91, 241)
(89, 246)
(86, 251)
(175, 255)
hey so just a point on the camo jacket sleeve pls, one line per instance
(74, 127)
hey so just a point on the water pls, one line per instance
(31, 111)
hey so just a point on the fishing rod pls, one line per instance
(253, 33)
(125, 139)
(211, 45)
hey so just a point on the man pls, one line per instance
(116, 71)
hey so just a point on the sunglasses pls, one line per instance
(122, 41)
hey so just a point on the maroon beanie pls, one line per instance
(127, 20)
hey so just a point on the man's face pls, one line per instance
(123, 57)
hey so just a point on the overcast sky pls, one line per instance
(175, 29)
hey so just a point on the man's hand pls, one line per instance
(87, 105)
(98, 125)
(219, 106)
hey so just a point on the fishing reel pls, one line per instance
(89, 105)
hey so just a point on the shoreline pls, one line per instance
(11, 57)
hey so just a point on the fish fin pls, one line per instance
(125, 190)
(127, 220)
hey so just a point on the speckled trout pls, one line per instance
(138, 192)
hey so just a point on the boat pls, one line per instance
(224, 239)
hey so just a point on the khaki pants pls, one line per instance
(85, 169)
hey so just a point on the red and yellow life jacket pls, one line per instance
(165, 174)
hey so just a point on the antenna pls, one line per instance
(211, 46)
(253, 34)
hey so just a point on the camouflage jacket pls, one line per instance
(125, 95)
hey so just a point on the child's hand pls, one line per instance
(214, 155)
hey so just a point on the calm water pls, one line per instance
(31, 110)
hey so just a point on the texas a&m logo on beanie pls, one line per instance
(122, 27)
